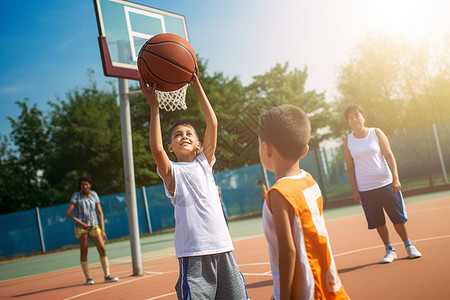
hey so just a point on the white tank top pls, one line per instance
(371, 168)
(200, 227)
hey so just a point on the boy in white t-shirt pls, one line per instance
(207, 266)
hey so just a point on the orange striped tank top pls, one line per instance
(315, 261)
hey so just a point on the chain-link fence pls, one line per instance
(420, 164)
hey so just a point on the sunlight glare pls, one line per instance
(407, 18)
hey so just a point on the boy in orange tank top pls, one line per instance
(300, 254)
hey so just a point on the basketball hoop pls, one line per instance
(170, 101)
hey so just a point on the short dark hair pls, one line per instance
(287, 128)
(84, 178)
(184, 123)
(352, 108)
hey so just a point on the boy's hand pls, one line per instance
(149, 93)
(195, 82)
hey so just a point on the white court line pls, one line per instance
(121, 260)
(108, 287)
(254, 264)
(162, 296)
(258, 274)
(427, 209)
(119, 283)
(341, 254)
(246, 274)
(380, 246)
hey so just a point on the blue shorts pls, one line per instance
(374, 201)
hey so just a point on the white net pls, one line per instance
(170, 101)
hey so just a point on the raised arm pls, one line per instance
(210, 138)
(155, 137)
(390, 159)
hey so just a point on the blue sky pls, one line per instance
(48, 46)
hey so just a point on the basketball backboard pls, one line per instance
(124, 27)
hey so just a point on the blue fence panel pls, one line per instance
(115, 215)
(57, 228)
(241, 193)
(142, 216)
(19, 233)
(160, 208)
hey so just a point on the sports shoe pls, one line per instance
(413, 252)
(89, 281)
(109, 278)
(389, 257)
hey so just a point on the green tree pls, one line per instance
(225, 96)
(83, 132)
(283, 86)
(371, 78)
(30, 135)
(237, 109)
(426, 85)
(85, 139)
(14, 188)
(401, 87)
(21, 185)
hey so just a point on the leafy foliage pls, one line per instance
(85, 138)
(400, 87)
(281, 86)
(21, 186)
(81, 134)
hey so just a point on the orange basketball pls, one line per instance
(167, 59)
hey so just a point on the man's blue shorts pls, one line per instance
(374, 201)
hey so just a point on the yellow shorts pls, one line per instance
(92, 231)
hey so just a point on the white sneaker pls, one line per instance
(111, 279)
(413, 252)
(89, 281)
(389, 257)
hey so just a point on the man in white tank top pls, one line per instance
(373, 176)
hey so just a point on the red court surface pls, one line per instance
(356, 249)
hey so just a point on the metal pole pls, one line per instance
(266, 179)
(130, 187)
(436, 137)
(40, 229)
(318, 158)
(146, 210)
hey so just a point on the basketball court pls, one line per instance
(357, 253)
(123, 29)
